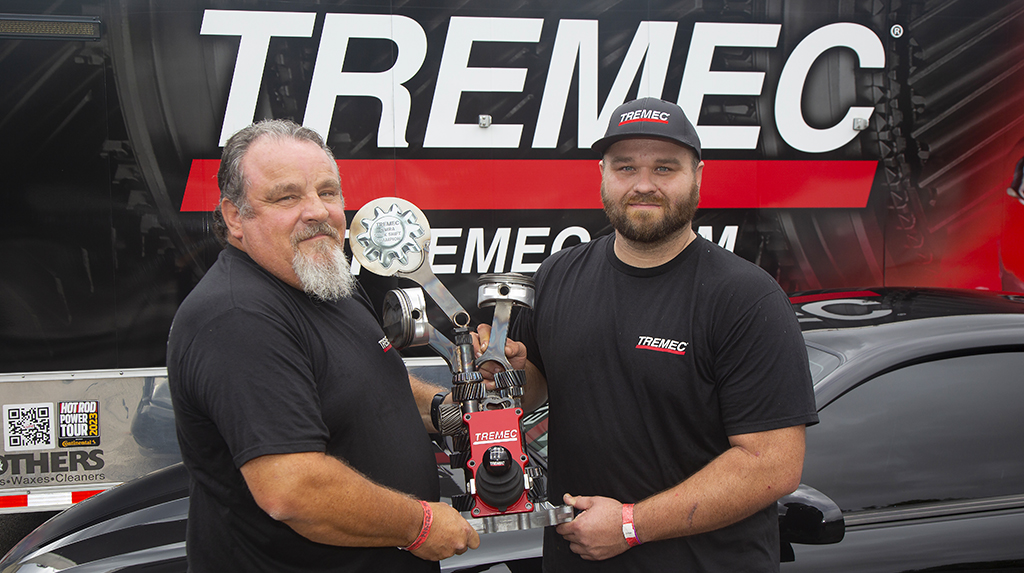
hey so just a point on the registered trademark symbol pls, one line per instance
(896, 30)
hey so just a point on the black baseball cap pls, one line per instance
(649, 117)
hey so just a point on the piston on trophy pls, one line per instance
(391, 237)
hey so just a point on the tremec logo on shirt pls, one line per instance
(662, 345)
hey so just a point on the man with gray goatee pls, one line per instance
(304, 436)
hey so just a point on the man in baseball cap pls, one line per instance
(651, 215)
(675, 374)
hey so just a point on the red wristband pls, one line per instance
(428, 519)
(628, 530)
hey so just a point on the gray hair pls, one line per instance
(232, 180)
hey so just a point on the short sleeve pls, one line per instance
(247, 373)
(761, 366)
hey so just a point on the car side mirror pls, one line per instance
(810, 517)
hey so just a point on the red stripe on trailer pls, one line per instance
(77, 496)
(22, 500)
(13, 501)
(443, 184)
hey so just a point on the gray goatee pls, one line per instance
(324, 272)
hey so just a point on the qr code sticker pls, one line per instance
(28, 427)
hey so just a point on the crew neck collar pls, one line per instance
(624, 268)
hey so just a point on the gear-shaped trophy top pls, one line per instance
(389, 235)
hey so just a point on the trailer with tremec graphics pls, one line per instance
(847, 144)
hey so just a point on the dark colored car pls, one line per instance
(920, 394)
(921, 443)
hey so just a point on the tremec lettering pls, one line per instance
(576, 42)
(496, 436)
(52, 462)
(477, 256)
(645, 115)
(450, 253)
(662, 344)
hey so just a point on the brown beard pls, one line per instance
(644, 228)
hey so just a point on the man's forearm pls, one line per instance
(740, 482)
(325, 500)
(424, 394)
(757, 470)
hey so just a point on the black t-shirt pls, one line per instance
(257, 367)
(649, 372)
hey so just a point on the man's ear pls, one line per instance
(232, 218)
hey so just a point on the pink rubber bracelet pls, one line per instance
(428, 519)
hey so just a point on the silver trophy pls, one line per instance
(391, 237)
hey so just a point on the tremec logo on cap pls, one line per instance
(649, 117)
(645, 115)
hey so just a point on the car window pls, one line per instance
(822, 363)
(943, 430)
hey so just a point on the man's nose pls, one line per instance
(314, 209)
(644, 182)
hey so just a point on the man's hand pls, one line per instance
(596, 533)
(515, 353)
(535, 390)
(450, 534)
